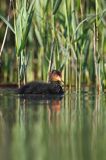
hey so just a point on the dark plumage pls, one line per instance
(53, 87)
(41, 88)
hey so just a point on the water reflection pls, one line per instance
(73, 127)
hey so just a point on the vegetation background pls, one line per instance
(39, 35)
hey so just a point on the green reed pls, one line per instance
(23, 13)
(66, 35)
(22, 25)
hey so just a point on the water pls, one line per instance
(71, 128)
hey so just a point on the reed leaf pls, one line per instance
(47, 5)
(7, 23)
(38, 35)
(56, 6)
(25, 34)
(69, 25)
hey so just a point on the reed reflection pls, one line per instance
(73, 127)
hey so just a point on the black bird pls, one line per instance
(52, 87)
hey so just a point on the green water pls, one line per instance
(73, 128)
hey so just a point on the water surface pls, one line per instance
(73, 127)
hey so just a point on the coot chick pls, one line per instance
(52, 87)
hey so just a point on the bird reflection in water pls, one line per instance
(51, 107)
(54, 111)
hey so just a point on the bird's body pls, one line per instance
(52, 87)
(41, 88)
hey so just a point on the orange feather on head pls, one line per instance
(54, 76)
